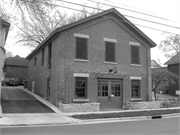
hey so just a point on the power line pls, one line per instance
(136, 8)
(129, 10)
(123, 14)
(119, 20)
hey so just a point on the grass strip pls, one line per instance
(125, 114)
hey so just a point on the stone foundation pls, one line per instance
(79, 107)
(143, 105)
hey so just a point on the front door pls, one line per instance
(109, 93)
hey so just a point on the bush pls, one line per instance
(170, 103)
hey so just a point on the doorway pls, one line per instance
(109, 93)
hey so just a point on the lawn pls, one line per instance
(126, 114)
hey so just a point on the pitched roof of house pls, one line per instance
(174, 60)
(112, 11)
(16, 61)
(6, 25)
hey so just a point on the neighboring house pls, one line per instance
(4, 29)
(16, 67)
(103, 58)
(154, 64)
(173, 66)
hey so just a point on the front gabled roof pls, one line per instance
(112, 10)
(174, 60)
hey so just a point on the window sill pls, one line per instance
(81, 100)
(81, 60)
(114, 63)
(135, 65)
(136, 99)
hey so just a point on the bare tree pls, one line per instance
(41, 25)
(171, 45)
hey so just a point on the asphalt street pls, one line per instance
(16, 100)
(168, 126)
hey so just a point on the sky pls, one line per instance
(168, 9)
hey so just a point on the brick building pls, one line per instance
(103, 58)
(16, 67)
(173, 66)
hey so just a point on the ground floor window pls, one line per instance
(135, 88)
(80, 87)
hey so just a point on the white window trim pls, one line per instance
(135, 65)
(135, 78)
(136, 99)
(81, 60)
(110, 40)
(80, 100)
(134, 43)
(114, 63)
(81, 35)
(81, 75)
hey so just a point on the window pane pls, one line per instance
(110, 52)
(135, 88)
(115, 88)
(80, 87)
(81, 48)
(102, 88)
(135, 55)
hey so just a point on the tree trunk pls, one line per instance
(155, 94)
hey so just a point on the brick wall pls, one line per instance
(64, 63)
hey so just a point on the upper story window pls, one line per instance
(35, 61)
(42, 57)
(81, 46)
(135, 53)
(110, 50)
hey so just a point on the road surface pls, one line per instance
(168, 126)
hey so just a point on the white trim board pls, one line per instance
(110, 40)
(134, 43)
(81, 75)
(81, 35)
(135, 78)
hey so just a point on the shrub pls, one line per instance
(170, 103)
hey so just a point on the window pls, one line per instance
(42, 58)
(80, 87)
(35, 59)
(135, 54)
(81, 48)
(135, 88)
(102, 88)
(115, 88)
(49, 55)
(110, 52)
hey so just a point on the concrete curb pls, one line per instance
(124, 119)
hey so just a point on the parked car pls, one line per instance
(12, 82)
(22, 81)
